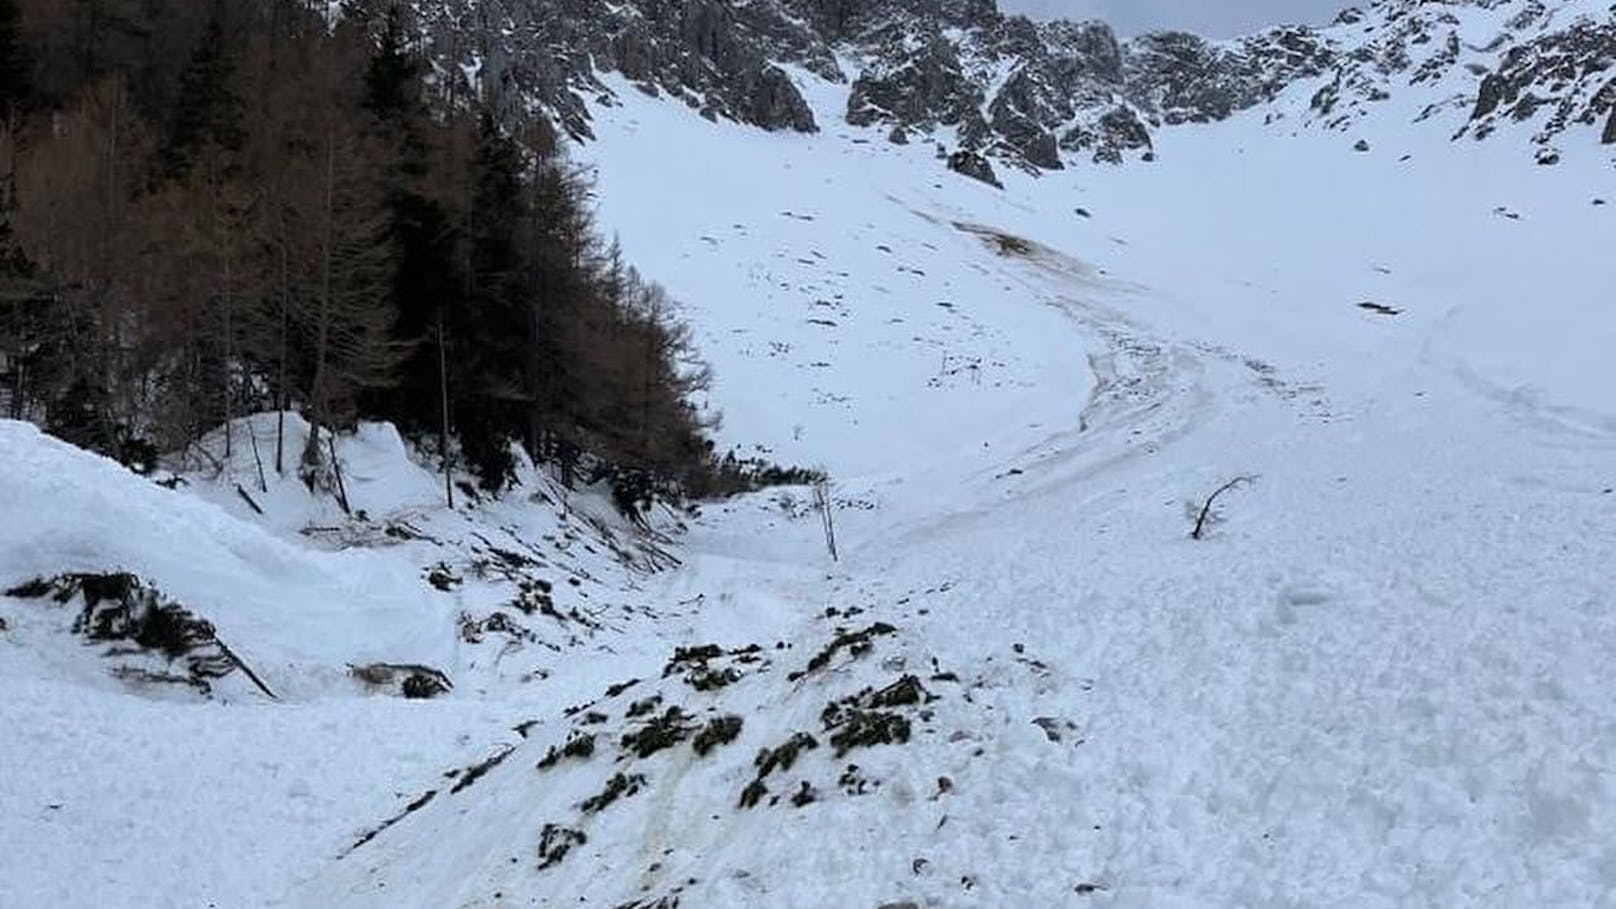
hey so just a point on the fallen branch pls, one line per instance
(242, 665)
(336, 470)
(1207, 516)
(263, 483)
(248, 499)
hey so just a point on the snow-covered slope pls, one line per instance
(305, 612)
(1380, 680)
(135, 777)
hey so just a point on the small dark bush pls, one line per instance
(720, 731)
(555, 842)
(619, 786)
(660, 733)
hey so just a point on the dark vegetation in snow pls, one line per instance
(135, 620)
(799, 770)
(416, 804)
(643, 706)
(732, 476)
(470, 776)
(619, 786)
(703, 668)
(410, 680)
(865, 729)
(464, 778)
(659, 733)
(719, 731)
(555, 842)
(580, 746)
(668, 901)
(753, 794)
(806, 794)
(783, 756)
(856, 643)
(869, 718)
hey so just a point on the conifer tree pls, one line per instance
(207, 117)
(491, 325)
(426, 281)
(341, 309)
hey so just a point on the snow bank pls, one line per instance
(292, 613)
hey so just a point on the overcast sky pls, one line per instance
(1212, 18)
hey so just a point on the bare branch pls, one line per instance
(1207, 516)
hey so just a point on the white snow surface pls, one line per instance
(1382, 680)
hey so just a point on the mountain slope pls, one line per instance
(1380, 680)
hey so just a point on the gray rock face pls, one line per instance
(923, 90)
(1545, 68)
(1116, 132)
(1570, 73)
(1031, 95)
(774, 103)
(1183, 79)
(722, 58)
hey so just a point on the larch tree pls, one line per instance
(342, 310)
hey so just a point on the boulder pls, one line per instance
(974, 166)
(774, 103)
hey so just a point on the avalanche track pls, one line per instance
(1344, 697)
(1381, 679)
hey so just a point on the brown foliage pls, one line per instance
(213, 214)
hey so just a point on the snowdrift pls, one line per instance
(300, 617)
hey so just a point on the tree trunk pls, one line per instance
(443, 406)
(225, 298)
(322, 331)
(18, 389)
(282, 399)
(336, 472)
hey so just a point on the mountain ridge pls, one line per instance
(1037, 95)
